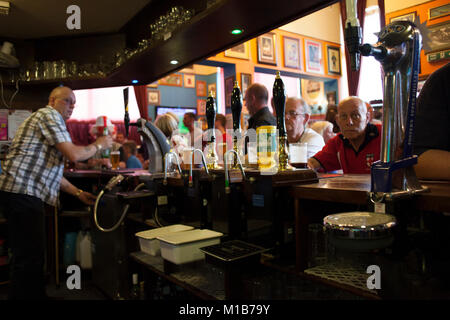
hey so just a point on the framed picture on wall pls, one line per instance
(438, 37)
(334, 60)
(212, 88)
(201, 107)
(405, 17)
(331, 97)
(172, 80)
(441, 11)
(201, 88)
(240, 51)
(189, 80)
(292, 53)
(266, 49)
(153, 97)
(246, 81)
(314, 61)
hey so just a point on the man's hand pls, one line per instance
(87, 198)
(104, 141)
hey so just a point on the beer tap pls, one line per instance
(166, 165)
(236, 109)
(126, 119)
(398, 51)
(211, 156)
(279, 100)
(227, 178)
(191, 182)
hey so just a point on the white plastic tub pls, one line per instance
(148, 239)
(183, 247)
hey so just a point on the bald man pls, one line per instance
(32, 176)
(357, 145)
(256, 99)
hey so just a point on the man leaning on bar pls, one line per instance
(32, 177)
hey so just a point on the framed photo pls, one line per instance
(442, 11)
(201, 107)
(334, 60)
(331, 97)
(241, 51)
(212, 88)
(201, 88)
(266, 49)
(438, 37)
(246, 81)
(314, 61)
(189, 80)
(312, 92)
(408, 17)
(292, 53)
(172, 80)
(229, 84)
(153, 97)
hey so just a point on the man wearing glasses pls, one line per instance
(358, 144)
(297, 115)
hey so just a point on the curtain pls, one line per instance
(141, 99)
(353, 76)
(382, 14)
(79, 131)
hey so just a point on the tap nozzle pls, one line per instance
(227, 180)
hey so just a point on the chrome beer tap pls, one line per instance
(211, 155)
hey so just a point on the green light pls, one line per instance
(237, 31)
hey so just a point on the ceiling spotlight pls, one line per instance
(237, 31)
(174, 62)
(134, 81)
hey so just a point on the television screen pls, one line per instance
(179, 112)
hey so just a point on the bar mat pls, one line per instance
(352, 275)
(233, 250)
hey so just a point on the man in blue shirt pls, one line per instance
(130, 151)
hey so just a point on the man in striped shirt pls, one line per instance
(33, 175)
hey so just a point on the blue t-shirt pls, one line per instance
(134, 163)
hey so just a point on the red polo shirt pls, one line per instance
(338, 153)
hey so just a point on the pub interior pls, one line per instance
(223, 219)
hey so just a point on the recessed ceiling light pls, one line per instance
(174, 62)
(134, 81)
(237, 31)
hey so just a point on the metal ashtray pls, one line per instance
(360, 231)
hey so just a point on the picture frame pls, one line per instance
(229, 84)
(267, 49)
(189, 80)
(292, 53)
(153, 97)
(333, 60)
(331, 97)
(212, 88)
(201, 88)
(313, 53)
(312, 92)
(175, 80)
(408, 17)
(201, 107)
(241, 51)
(438, 12)
(246, 81)
(438, 37)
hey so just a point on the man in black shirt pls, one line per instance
(256, 98)
(432, 130)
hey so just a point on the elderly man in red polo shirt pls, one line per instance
(358, 144)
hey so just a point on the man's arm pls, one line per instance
(433, 165)
(79, 153)
(84, 196)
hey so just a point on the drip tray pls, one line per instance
(233, 251)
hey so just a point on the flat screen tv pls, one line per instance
(179, 111)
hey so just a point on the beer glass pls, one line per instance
(115, 158)
(298, 155)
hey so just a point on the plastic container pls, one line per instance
(70, 239)
(148, 239)
(86, 251)
(183, 247)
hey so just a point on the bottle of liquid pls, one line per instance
(105, 152)
(135, 288)
(142, 290)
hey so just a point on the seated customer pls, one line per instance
(357, 145)
(432, 132)
(130, 152)
(297, 115)
(324, 128)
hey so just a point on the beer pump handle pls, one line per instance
(279, 100)
(353, 34)
(211, 115)
(236, 106)
(126, 119)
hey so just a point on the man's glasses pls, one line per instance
(353, 116)
(292, 114)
